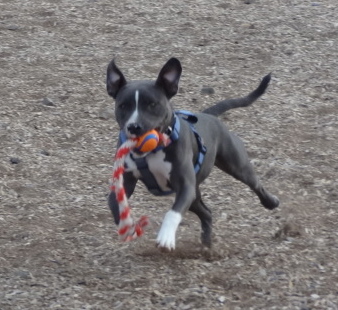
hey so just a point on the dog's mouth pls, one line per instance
(130, 135)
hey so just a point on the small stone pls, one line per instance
(13, 27)
(48, 102)
(221, 299)
(207, 90)
(14, 160)
(157, 293)
(251, 254)
(288, 230)
(4, 126)
(106, 113)
(168, 300)
(204, 289)
(288, 52)
(262, 272)
(22, 274)
(44, 152)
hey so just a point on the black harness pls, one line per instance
(146, 176)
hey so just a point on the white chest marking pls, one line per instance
(160, 169)
(157, 165)
(131, 167)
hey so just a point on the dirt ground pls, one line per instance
(58, 242)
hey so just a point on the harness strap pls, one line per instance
(174, 134)
(192, 119)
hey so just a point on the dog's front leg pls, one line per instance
(185, 195)
(129, 186)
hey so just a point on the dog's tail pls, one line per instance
(228, 104)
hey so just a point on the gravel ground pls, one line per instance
(58, 243)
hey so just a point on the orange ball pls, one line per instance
(147, 142)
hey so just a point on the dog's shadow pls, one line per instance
(186, 251)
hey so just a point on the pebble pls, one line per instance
(106, 113)
(44, 152)
(207, 90)
(262, 272)
(48, 102)
(13, 27)
(157, 293)
(14, 160)
(22, 274)
(168, 300)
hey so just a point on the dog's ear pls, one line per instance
(169, 77)
(115, 79)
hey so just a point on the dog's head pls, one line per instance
(144, 105)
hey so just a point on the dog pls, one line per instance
(198, 142)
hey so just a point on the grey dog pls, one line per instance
(198, 142)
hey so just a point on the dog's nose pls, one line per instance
(134, 128)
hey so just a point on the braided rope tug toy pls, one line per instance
(128, 229)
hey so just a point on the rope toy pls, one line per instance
(128, 229)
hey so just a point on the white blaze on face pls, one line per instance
(134, 117)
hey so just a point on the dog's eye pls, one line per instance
(152, 104)
(122, 106)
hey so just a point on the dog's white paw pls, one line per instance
(166, 236)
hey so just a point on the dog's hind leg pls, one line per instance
(204, 214)
(232, 158)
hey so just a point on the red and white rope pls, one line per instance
(128, 229)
